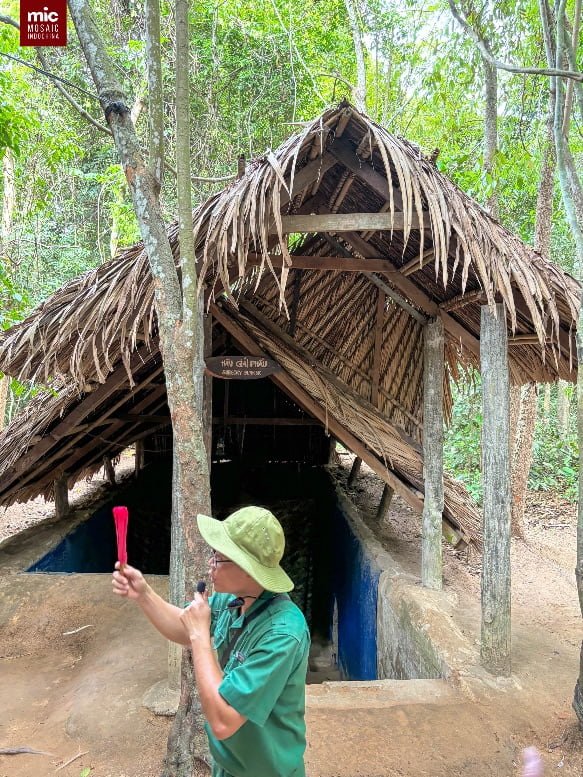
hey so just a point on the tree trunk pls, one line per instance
(187, 740)
(180, 329)
(563, 409)
(358, 93)
(4, 386)
(522, 457)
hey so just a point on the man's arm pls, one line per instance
(223, 719)
(165, 617)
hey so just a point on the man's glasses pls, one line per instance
(215, 560)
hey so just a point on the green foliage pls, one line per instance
(555, 464)
(462, 445)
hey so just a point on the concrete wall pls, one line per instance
(413, 634)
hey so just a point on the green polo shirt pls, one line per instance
(264, 680)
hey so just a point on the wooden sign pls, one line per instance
(241, 367)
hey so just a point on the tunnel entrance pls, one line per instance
(321, 555)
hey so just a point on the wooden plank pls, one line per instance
(495, 641)
(345, 222)
(433, 377)
(317, 262)
(378, 345)
(258, 421)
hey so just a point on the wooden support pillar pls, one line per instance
(495, 633)
(433, 376)
(139, 457)
(109, 470)
(61, 496)
(354, 471)
(385, 502)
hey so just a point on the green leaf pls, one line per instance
(85, 772)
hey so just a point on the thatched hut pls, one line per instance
(330, 255)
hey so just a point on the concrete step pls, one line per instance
(377, 694)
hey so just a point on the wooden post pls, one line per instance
(354, 472)
(495, 634)
(385, 502)
(61, 496)
(109, 470)
(433, 376)
(139, 457)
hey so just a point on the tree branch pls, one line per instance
(487, 54)
(55, 81)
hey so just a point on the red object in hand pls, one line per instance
(121, 517)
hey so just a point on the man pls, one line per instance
(249, 653)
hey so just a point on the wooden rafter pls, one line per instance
(378, 345)
(346, 222)
(268, 324)
(117, 379)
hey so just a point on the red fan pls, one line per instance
(121, 517)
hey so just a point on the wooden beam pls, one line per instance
(311, 335)
(309, 358)
(71, 444)
(239, 421)
(345, 153)
(109, 470)
(61, 496)
(415, 264)
(114, 381)
(461, 300)
(402, 303)
(313, 172)
(354, 472)
(495, 642)
(419, 297)
(433, 378)
(378, 346)
(139, 458)
(385, 503)
(317, 262)
(346, 222)
(300, 395)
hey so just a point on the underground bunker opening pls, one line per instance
(321, 555)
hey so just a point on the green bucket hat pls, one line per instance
(252, 537)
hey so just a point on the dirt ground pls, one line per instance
(75, 662)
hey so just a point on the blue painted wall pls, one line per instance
(355, 589)
(91, 547)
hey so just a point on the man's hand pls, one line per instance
(131, 583)
(196, 618)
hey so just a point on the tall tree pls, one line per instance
(178, 319)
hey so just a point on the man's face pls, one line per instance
(227, 576)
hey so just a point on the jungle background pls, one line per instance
(258, 69)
